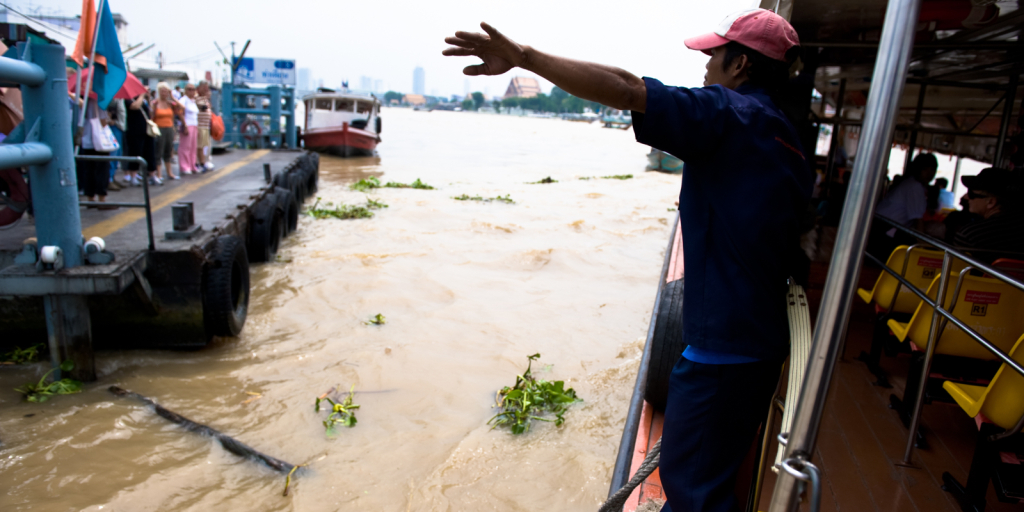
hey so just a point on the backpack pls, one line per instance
(216, 127)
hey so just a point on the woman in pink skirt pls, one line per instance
(187, 137)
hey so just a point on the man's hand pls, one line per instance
(498, 52)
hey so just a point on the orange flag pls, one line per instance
(86, 33)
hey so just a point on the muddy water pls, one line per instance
(468, 290)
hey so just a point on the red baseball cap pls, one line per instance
(758, 29)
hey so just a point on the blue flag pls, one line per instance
(108, 79)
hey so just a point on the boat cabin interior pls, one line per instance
(905, 385)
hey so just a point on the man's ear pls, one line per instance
(739, 65)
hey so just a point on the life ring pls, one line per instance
(290, 207)
(225, 287)
(667, 344)
(250, 130)
(265, 230)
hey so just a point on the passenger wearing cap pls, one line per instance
(993, 195)
(746, 183)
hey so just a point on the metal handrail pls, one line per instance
(887, 84)
(1003, 357)
(144, 168)
(624, 458)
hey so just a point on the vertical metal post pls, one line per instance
(145, 196)
(833, 147)
(55, 186)
(267, 176)
(227, 108)
(275, 114)
(933, 339)
(913, 129)
(1004, 126)
(887, 84)
(289, 129)
(956, 175)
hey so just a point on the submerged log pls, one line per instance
(229, 443)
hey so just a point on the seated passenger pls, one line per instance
(993, 195)
(906, 204)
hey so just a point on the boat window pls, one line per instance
(342, 105)
(363, 107)
(323, 104)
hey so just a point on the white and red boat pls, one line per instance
(342, 123)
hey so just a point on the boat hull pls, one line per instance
(342, 141)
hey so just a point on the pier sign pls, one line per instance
(255, 70)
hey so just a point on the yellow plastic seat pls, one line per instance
(992, 308)
(1002, 401)
(923, 266)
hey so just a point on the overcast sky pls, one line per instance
(386, 39)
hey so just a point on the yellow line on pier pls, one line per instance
(119, 221)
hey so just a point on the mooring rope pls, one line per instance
(650, 463)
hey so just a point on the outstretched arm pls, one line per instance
(607, 85)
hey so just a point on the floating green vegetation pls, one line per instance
(341, 414)
(377, 319)
(23, 355)
(612, 177)
(507, 198)
(366, 184)
(371, 183)
(549, 179)
(41, 392)
(342, 211)
(530, 399)
(374, 204)
(416, 184)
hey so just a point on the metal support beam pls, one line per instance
(1004, 126)
(21, 72)
(887, 85)
(227, 108)
(69, 332)
(914, 129)
(956, 175)
(24, 154)
(833, 148)
(289, 127)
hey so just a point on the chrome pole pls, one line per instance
(889, 78)
(933, 339)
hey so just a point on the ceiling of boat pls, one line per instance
(959, 43)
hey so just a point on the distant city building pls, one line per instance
(419, 81)
(465, 87)
(414, 99)
(378, 86)
(303, 79)
(522, 87)
(366, 83)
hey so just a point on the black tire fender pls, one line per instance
(280, 180)
(290, 209)
(667, 344)
(297, 184)
(378, 125)
(225, 287)
(310, 176)
(265, 230)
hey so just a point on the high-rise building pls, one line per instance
(366, 83)
(303, 79)
(419, 80)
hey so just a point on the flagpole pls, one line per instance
(92, 72)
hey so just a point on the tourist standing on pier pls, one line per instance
(95, 176)
(188, 136)
(745, 187)
(137, 141)
(163, 115)
(203, 143)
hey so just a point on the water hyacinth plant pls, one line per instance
(22, 355)
(341, 414)
(532, 399)
(372, 182)
(41, 392)
(343, 211)
(507, 198)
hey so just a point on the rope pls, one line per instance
(650, 463)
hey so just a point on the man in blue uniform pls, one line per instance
(745, 185)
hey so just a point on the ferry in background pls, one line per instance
(342, 123)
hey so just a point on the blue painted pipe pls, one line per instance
(22, 155)
(21, 72)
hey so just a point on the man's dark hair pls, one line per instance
(942, 183)
(920, 163)
(765, 72)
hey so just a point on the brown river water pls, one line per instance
(468, 290)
